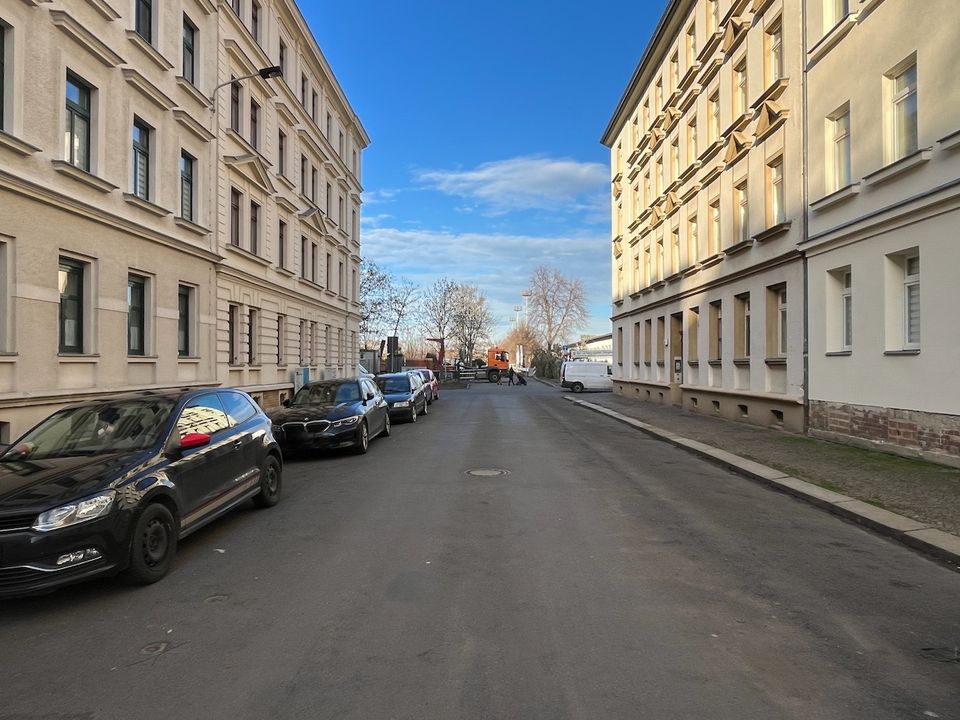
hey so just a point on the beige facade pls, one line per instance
(118, 259)
(706, 155)
(884, 190)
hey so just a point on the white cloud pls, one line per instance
(379, 197)
(524, 183)
(500, 264)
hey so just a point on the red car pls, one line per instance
(431, 385)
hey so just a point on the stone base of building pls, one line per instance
(766, 410)
(908, 433)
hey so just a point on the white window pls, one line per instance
(660, 183)
(674, 72)
(713, 235)
(713, 105)
(904, 113)
(675, 250)
(660, 269)
(846, 305)
(782, 322)
(911, 301)
(675, 160)
(693, 241)
(692, 150)
(740, 100)
(691, 45)
(742, 230)
(713, 15)
(833, 12)
(838, 135)
(774, 40)
(775, 192)
(646, 267)
(658, 96)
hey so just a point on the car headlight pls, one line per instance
(402, 403)
(346, 421)
(66, 515)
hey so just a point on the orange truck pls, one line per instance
(498, 363)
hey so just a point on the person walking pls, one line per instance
(511, 375)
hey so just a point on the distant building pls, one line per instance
(147, 241)
(598, 347)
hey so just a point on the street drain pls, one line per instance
(947, 655)
(487, 472)
(154, 648)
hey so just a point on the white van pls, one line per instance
(580, 375)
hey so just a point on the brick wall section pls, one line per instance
(930, 432)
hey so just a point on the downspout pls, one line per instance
(805, 149)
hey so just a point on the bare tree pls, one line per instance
(558, 305)
(400, 301)
(375, 289)
(439, 304)
(472, 320)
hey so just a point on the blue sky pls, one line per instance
(485, 121)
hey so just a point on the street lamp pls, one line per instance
(266, 73)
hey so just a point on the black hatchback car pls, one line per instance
(112, 485)
(332, 414)
(404, 393)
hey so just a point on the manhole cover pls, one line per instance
(487, 472)
(948, 655)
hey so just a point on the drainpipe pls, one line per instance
(805, 149)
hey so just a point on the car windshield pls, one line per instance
(394, 384)
(326, 393)
(114, 427)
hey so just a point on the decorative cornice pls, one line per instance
(830, 40)
(149, 50)
(710, 46)
(773, 232)
(191, 226)
(21, 147)
(207, 7)
(709, 71)
(192, 125)
(892, 170)
(146, 205)
(147, 89)
(770, 116)
(254, 169)
(771, 93)
(193, 91)
(739, 247)
(839, 196)
(733, 35)
(72, 28)
(737, 144)
(105, 9)
(687, 100)
(97, 183)
(687, 79)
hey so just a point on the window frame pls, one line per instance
(904, 145)
(143, 19)
(188, 165)
(137, 298)
(236, 202)
(189, 51)
(846, 310)
(910, 281)
(74, 111)
(841, 148)
(741, 195)
(186, 300)
(141, 154)
(72, 265)
(253, 244)
(776, 192)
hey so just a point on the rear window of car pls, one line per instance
(394, 384)
(238, 408)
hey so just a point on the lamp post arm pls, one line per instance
(212, 103)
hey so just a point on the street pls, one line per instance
(605, 575)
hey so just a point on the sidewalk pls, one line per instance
(915, 501)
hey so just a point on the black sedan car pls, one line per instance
(404, 393)
(332, 414)
(112, 485)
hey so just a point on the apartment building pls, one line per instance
(707, 207)
(883, 124)
(149, 240)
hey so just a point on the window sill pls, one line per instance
(149, 50)
(286, 271)
(898, 167)
(742, 362)
(692, 270)
(9, 357)
(193, 91)
(906, 351)
(712, 260)
(739, 247)
(139, 202)
(192, 125)
(247, 254)
(693, 363)
(17, 145)
(835, 198)
(143, 359)
(950, 142)
(772, 232)
(830, 40)
(715, 363)
(81, 358)
(775, 361)
(188, 359)
(311, 283)
(839, 353)
(673, 278)
(660, 363)
(72, 171)
(286, 181)
(771, 93)
(191, 226)
(711, 150)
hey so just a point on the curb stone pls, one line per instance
(910, 532)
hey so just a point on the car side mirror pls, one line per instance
(370, 396)
(286, 402)
(193, 440)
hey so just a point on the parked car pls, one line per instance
(431, 384)
(580, 375)
(405, 394)
(332, 414)
(112, 485)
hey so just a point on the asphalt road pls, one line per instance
(606, 576)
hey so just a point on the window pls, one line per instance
(281, 338)
(674, 72)
(635, 271)
(189, 50)
(136, 321)
(329, 125)
(255, 20)
(303, 257)
(340, 280)
(340, 146)
(283, 57)
(716, 330)
(646, 114)
(329, 269)
(691, 44)
(713, 235)
(713, 15)
(833, 12)
(281, 152)
(675, 159)
(911, 301)
(846, 305)
(692, 336)
(76, 149)
(658, 96)
(235, 107)
(740, 101)
(143, 11)
(313, 185)
(838, 136)
(303, 89)
(239, 408)
(313, 262)
(354, 165)
(3, 45)
(905, 113)
(713, 106)
(775, 193)
(659, 176)
(233, 321)
(741, 340)
(647, 267)
(235, 198)
(341, 218)
(254, 228)
(328, 346)
(692, 150)
(303, 175)
(742, 229)
(647, 190)
(187, 164)
(675, 250)
(253, 336)
(282, 244)
(782, 322)
(141, 160)
(303, 342)
(184, 316)
(71, 283)
(774, 42)
(693, 241)
(254, 124)
(202, 415)
(647, 340)
(328, 199)
(661, 340)
(314, 105)
(237, 7)
(354, 225)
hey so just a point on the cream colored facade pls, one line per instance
(884, 190)
(81, 213)
(706, 155)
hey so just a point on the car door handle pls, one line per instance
(238, 444)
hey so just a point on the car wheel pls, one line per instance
(363, 438)
(577, 387)
(386, 426)
(413, 413)
(153, 545)
(270, 484)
